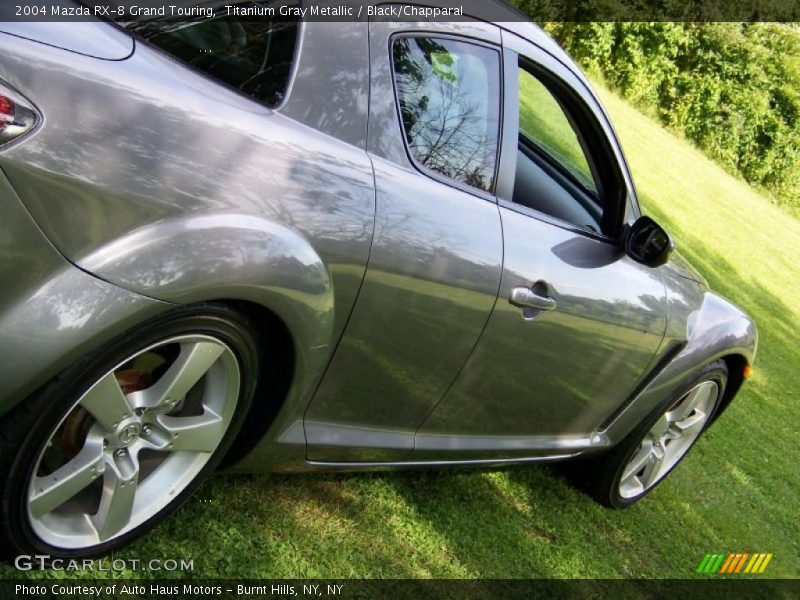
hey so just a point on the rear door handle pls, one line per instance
(527, 298)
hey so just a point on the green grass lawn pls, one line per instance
(738, 490)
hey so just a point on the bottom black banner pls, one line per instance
(401, 589)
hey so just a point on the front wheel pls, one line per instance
(123, 437)
(642, 460)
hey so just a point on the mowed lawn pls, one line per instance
(738, 491)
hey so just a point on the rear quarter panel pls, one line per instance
(160, 181)
(51, 312)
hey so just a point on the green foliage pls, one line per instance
(731, 88)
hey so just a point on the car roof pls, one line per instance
(536, 35)
(522, 26)
(511, 19)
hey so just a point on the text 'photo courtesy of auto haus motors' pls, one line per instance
(182, 589)
(210, 234)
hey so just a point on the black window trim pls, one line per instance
(583, 196)
(423, 170)
(553, 163)
(556, 222)
(597, 150)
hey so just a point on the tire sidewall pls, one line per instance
(59, 396)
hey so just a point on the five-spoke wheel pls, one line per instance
(124, 435)
(638, 463)
(133, 441)
(669, 439)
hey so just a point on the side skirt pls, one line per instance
(385, 466)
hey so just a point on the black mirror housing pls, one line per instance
(646, 242)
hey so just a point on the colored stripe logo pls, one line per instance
(734, 562)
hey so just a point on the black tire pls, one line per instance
(599, 476)
(25, 430)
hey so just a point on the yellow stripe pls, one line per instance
(751, 563)
(724, 568)
(759, 560)
(741, 562)
(765, 563)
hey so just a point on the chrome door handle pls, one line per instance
(526, 298)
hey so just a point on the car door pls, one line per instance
(436, 259)
(577, 322)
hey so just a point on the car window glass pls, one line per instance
(449, 97)
(553, 174)
(253, 56)
(543, 122)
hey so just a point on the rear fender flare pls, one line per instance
(224, 256)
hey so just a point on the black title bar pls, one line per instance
(372, 589)
(427, 10)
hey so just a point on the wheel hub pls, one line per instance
(127, 434)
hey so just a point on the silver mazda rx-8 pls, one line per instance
(288, 246)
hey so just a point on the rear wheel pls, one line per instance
(123, 437)
(641, 461)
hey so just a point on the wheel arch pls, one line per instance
(212, 256)
(277, 370)
(736, 364)
(264, 268)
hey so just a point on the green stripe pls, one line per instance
(719, 562)
(711, 562)
(703, 563)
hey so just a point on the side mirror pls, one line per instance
(646, 242)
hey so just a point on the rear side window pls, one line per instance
(448, 92)
(253, 56)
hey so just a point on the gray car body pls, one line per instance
(146, 185)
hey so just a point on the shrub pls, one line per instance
(731, 88)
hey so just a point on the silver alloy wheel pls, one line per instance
(133, 441)
(668, 440)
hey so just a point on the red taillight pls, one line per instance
(17, 115)
(6, 112)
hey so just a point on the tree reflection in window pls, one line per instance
(450, 106)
